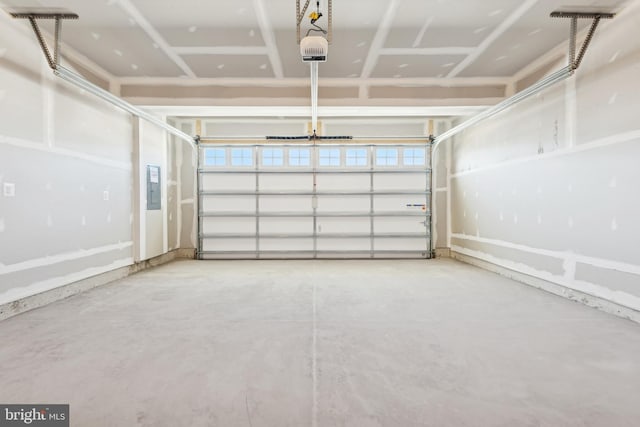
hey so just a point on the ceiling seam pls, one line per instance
(221, 50)
(452, 50)
(146, 26)
(422, 31)
(380, 38)
(501, 29)
(269, 38)
(326, 81)
(327, 111)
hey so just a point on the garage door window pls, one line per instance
(329, 157)
(272, 157)
(356, 157)
(214, 157)
(386, 156)
(241, 157)
(413, 156)
(299, 157)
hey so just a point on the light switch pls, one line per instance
(9, 189)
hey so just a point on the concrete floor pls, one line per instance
(323, 343)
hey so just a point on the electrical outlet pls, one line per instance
(9, 189)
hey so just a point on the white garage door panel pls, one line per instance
(287, 245)
(327, 225)
(387, 225)
(243, 225)
(398, 203)
(400, 244)
(400, 181)
(286, 226)
(230, 203)
(344, 182)
(358, 204)
(229, 182)
(340, 244)
(292, 203)
(247, 244)
(349, 200)
(286, 182)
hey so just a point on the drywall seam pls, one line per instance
(16, 294)
(571, 112)
(293, 112)
(48, 106)
(568, 257)
(504, 26)
(440, 190)
(449, 163)
(55, 259)
(618, 297)
(379, 38)
(426, 51)
(552, 287)
(195, 215)
(595, 144)
(141, 192)
(165, 191)
(23, 143)
(83, 284)
(423, 30)
(129, 8)
(508, 245)
(187, 202)
(220, 50)
(268, 37)
(304, 81)
(178, 164)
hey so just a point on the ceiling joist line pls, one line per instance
(269, 38)
(64, 73)
(495, 34)
(146, 26)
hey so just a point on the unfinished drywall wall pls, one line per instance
(441, 190)
(150, 156)
(71, 191)
(549, 187)
(188, 189)
(65, 175)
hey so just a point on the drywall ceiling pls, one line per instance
(391, 42)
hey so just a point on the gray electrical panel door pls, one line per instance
(154, 192)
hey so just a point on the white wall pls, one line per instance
(69, 157)
(151, 150)
(549, 188)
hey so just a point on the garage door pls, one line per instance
(348, 200)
